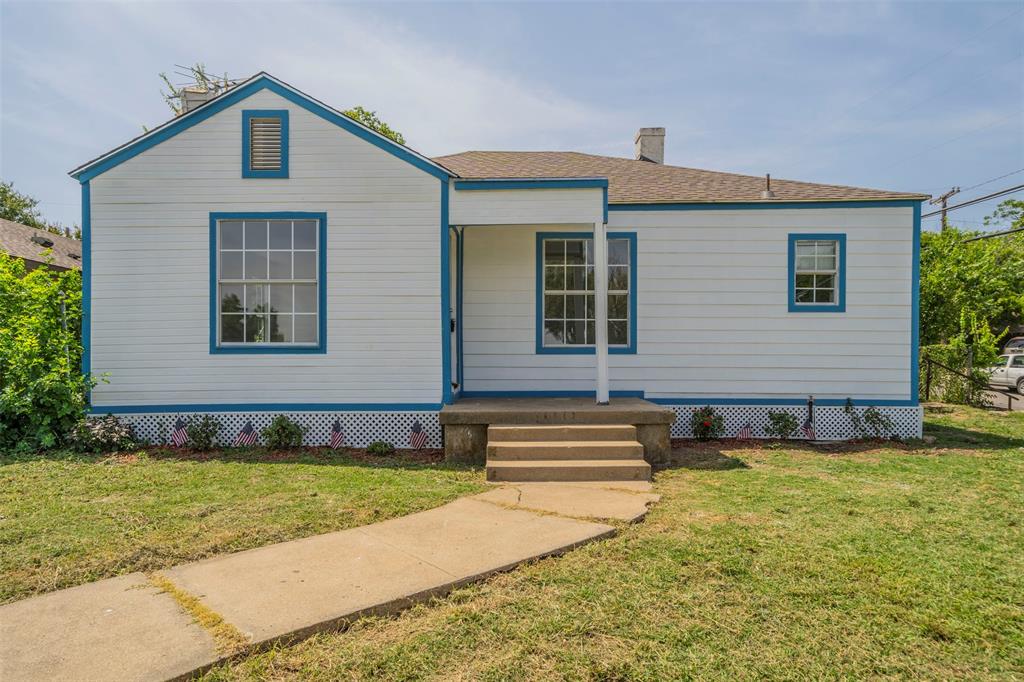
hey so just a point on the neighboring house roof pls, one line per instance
(16, 240)
(644, 182)
(236, 94)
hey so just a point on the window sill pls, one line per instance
(268, 350)
(584, 350)
(832, 308)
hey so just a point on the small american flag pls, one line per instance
(179, 436)
(746, 433)
(337, 435)
(808, 430)
(247, 436)
(417, 436)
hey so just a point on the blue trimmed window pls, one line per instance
(265, 143)
(817, 273)
(268, 282)
(565, 316)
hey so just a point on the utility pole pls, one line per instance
(943, 199)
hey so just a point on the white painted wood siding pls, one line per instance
(150, 278)
(713, 316)
(527, 206)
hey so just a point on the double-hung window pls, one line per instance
(566, 315)
(269, 288)
(817, 272)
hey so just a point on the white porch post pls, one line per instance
(601, 310)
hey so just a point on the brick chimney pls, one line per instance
(650, 145)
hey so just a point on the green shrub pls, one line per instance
(707, 424)
(105, 434)
(42, 389)
(873, 423)
(203, 432)
(381, 448)
(780, 425)
(283, 433)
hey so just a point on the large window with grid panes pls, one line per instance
(566, 306)
(268, 280)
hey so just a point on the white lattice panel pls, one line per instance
(360, 428)
(830, 423)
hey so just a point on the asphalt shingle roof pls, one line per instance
(643, 182)
(16, 240)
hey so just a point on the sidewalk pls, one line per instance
(184, 619)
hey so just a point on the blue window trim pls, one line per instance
(840, 305)
(247, 116)
(541, 349)
(270, 349)
(260, 82)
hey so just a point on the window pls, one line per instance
(1018, 361)
(269, 288)
(565, 307)
(817, 272)
(265, 143)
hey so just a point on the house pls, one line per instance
(39, 247)
(262, 253)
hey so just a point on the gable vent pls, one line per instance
(265, 144)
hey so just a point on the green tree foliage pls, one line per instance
(984, 278)
(1009, 215)
(21, 208)
(372, 121)
(42, 390)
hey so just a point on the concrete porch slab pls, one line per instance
(554, 411)
(117, 629)
(573, 500)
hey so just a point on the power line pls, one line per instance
(997, 122)
(995, 234)
(980, 184)
(1000, 193)
(942, 56)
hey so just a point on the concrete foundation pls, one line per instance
(465, 423)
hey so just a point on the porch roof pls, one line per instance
(643, 182)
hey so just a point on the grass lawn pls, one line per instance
(902, 561)
(67, 519)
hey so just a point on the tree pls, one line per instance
(372, 121)
(21, 208)
(983, 278)
(203, 80)
(1008, 215)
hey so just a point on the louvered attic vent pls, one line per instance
(265, 144)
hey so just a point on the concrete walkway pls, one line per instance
(185, 619)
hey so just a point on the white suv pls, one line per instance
(1008, 372)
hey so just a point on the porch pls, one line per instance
(465, 424)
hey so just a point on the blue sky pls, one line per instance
(908, 96)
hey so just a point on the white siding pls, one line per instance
(713, 316)
(150, 277)
(527, 206)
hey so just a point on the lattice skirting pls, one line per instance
(830, 423)
(360, 428)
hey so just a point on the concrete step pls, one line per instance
(603, 432)
(569, 470)
(565, 450)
